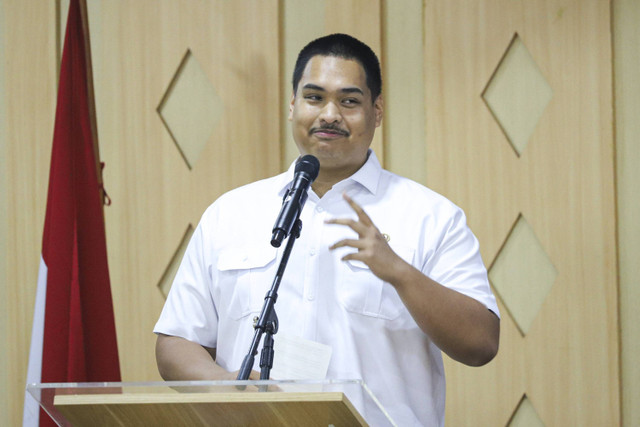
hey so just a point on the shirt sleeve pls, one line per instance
(457, 264)
(189, 311)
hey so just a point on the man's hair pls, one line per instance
(346, 47)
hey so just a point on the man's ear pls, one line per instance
(291, 103)
(378, 106)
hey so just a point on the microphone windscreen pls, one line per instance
(308, 164)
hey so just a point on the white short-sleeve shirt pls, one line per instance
(229, 265)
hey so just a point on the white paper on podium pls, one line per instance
(299, 359)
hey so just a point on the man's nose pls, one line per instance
(330, 113)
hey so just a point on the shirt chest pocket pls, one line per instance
(245, 276)
(362, 292)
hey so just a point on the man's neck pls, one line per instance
(321, 188)
(328, 178)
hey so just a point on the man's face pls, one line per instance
(332, 113)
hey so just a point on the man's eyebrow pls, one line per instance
(311, 86)
(352, 90)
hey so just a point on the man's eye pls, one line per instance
(313, 97)
(350, 101)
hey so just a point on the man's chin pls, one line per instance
(325, 154)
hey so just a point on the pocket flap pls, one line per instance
(246, 257)
(403, 252)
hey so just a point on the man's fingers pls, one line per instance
(356, 226)
(362, 215)
(355, 256)
(352, 243)
(342, 221)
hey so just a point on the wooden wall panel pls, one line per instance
(27, 96)
(567, 364)
(4, 225)
(404, 89)
(626, 36)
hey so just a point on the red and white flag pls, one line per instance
(74, 336)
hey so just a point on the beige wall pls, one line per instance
(626, 50)
(28, 55)
(4, 318)
(27, 103)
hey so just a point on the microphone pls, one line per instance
(306, 172)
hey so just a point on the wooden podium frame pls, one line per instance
(212, 403)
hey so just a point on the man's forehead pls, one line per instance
(333, 72)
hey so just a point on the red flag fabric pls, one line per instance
(74, 336)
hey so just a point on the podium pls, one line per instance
(212, 403)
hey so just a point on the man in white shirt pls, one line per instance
(385, 272)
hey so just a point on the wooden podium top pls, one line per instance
(210, 409)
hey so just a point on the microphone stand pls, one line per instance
(267, 323)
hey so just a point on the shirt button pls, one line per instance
(310, 297)
(319, 209)
(312, 252)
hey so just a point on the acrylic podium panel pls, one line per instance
(212, 403)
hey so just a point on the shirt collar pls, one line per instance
(368, 175)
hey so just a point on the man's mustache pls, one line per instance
(331, 128)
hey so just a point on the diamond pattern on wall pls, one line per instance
(522, 274)
(525, 415)
(517, 95)
(190, 109)
(172, 268)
